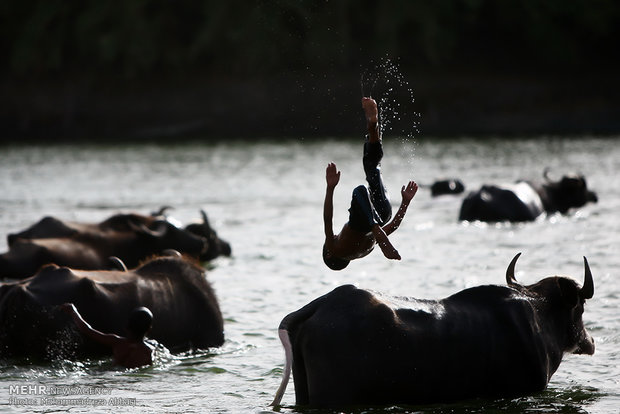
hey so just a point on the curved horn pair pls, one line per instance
(586, 292)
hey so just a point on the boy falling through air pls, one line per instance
(370, 207)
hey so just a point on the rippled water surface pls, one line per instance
(266, 199)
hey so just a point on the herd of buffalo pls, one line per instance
(108, 269)
(350, 346)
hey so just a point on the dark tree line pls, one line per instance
(132, 38)
(77, 69)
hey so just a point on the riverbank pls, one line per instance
(303, 105)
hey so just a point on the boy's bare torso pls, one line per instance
(351, 244)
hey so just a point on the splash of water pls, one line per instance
(385, 82)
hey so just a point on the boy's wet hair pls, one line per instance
(334, 263)
(140, 320)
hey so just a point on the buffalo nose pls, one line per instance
(592, 197)
(586, 346)
(226, 250)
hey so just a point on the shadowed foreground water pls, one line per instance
(266, 199)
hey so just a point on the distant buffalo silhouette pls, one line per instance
(449, 186)
(130, 237)
(525, 201)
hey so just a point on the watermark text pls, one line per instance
(60, 395)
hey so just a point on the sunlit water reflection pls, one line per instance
(266, 198)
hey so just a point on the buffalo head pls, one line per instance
(162, 234)
(217, 247)
(450, 186)
(562, 301)
(571, 191)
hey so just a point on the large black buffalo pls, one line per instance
(352, 346)
(130, 237)
(525, 201)
(185, 310)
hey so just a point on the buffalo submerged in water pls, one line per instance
(352, 347)
(525, 201)
(186, 313)
(130, 237)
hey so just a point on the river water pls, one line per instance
(266, 199)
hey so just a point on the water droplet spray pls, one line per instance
(385, 83)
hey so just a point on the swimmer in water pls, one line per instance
(370, 207)
(131, 351)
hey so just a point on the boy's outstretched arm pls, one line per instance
(332, 176)
(407, 193)
(389, 251)
(87, 330)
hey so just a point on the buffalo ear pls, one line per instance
(568, 291)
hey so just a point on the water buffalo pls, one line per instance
(351, 346)
(525, 201)
(185, 309)
(449, 186)
(130, 237)
(92, 250)
(51, 227)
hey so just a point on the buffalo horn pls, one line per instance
(205, 219)
(171, 253)
(546, 174)
(141, 228)
(587, 291)
(510, 272)
(117, 263)
(161, 212)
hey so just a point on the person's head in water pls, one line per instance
(140, 320)
(333, 263)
